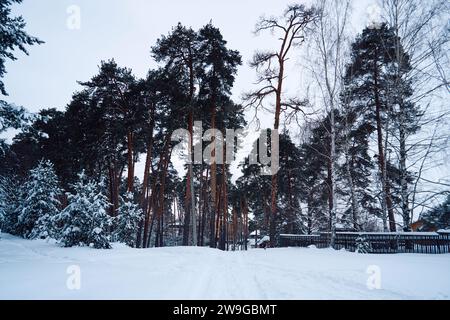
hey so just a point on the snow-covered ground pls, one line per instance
(38, 270)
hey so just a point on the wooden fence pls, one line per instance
(395, 242)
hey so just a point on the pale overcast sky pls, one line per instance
(126, 30)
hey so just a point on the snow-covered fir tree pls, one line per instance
(39, 204)
(10, 195)
(363, 245)
(85, 220)
(127, 221)
(3, 203)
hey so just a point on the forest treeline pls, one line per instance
(358, 164)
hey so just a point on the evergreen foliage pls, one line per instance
(85, 220)
(127, 221)
(39, 203)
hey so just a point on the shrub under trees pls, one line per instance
(85, 220)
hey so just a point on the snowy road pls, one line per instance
(38, 270)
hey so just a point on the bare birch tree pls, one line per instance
(423, 34)
(330, 44)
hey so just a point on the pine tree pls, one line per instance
(172, 98)
(113, 91)
(179, 50)
(39, 204)
(151, 98)
(85, 220)
(368, 87)
(45, 138)
(404, 115)
(127, 221)
(356, 170)
(290, 29)
(217, 75)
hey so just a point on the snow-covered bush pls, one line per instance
(39, 202)
(127, 221)
(363, 245)
(85, 220)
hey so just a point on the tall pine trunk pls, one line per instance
(130, 181)
(353, 200)
(114, 181)
(213, 205)
(381, 154)
(244, 210)
(160, 213)
(310, 214)
(189, 180)
(274, 183)
(151, 204)
(204, 206)
(145, 180)
(224, 207)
